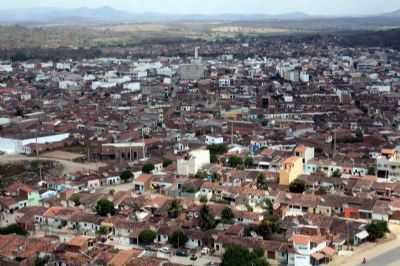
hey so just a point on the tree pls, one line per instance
(76, 199)
(268, 207)
(148, 168)
(235, 161)
(217, 149)
(206, 218)
(201, 175)
(167, 162)
(359, 134)
(248, 162)
(213, 158)
(297, 186)
(105, 207)
(241, 256)
(178, 239)
(268, 226)
(227, 215)
(103, 230)
(261, 182)
(13, 229)
(175, 208)
(377, 229)
(126, 175)
(371, 170)
(146, 237)
(337, 173)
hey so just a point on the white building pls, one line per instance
(132, 86)
(18, 144)
(210, 140)
(195, 161)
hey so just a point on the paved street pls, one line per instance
(386, 253)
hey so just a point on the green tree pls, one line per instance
(248, 162)
(213, 158)
(105, 207)
(13, 229)
(337, 173)
(148, 168)
(175, 208)
(359, 134)
(235, 161)
(241, 256)
(178, 239)
(76, 199)
(371, 170)
(167, 162)
(206, 218)
(103, 230)
(227, 215)
(217, 149)
(377, 229)
(268, 226)
(201, 175)
(268, 207)
(146, 237)
(126, 175)
(297, 186)
(262, 182)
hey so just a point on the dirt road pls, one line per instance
(68, 166)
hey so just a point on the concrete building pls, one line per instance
(191, 71)
(20, 144)
(388, 164)
(192, 163)
(291, 169)
(306, 153)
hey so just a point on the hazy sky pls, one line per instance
(323, 7)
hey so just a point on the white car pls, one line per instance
(205, 251)
(165, 250)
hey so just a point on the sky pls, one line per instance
(312, 7)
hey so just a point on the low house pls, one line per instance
(142, 183)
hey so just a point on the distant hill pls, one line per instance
(395, 13)
(109, 14)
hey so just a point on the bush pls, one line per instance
(146, 237)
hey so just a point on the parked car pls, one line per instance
(165, 250)
(205, 251)
(181, 253)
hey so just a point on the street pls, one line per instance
(385, 253)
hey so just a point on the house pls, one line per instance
(309, 250)
(292, 168)
(306, 153)
(142, 183)
(194, 162)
